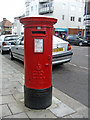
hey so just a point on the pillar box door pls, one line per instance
(38, 61)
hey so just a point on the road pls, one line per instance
(70, 78)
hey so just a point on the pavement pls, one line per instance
(12, 97)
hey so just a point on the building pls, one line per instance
(87, 19)
(0, 30)
(6, 27)
(17, 27)
(68, 12)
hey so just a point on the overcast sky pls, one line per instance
(11, 8)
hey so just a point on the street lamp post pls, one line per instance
(86, 18)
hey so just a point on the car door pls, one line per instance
(0, 42)
(18, 49)
(71, 39)
(21, 50)
(76, 40)
(14, 49)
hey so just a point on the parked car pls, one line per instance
(6, 41)
(88, 38)
(62, 52)
(76, 40)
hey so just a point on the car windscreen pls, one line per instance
(10, 38)
(72, 37)
(69, 37)
(20, 41)
(21, 38)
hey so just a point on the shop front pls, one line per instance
(61, 32)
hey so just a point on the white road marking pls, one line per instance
(73, 64)
(83, 67)
(79, 66)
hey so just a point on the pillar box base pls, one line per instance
(37, 98)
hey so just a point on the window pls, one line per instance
(72, 18)
(32, 8)
(18, 42)
(22, 42)
(9, 38)
(79, 19)
(62, 17)
(70, 37)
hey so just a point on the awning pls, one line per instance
(61, 29)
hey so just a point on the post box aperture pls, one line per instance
(38, 61)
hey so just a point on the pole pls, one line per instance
(86, 18)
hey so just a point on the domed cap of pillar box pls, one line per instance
(38, 20)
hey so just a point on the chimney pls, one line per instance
(4, 19)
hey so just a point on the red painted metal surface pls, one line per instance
(38, 51)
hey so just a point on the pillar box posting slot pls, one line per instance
(38, 61)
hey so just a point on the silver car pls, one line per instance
(62, 52)
(6, 41)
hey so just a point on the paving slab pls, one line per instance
(60, 109)
(0, 92)
(0, 81)
(20, 115)
(67, 117)
(10, 84)
(5, 111)
(83, 113)
(40, 114)
(20, 89)
(17, 107)
(0, 99)
(81, 110)
(0, 111)
(78, 115)
(9, 91)
(75, 105)
(21, 81)
(19, 96)
(16, 77)
(8, 99)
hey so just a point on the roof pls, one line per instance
(0, 24)
(6, 23)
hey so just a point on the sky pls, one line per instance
(11, 8)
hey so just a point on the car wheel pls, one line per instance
(2, 52)
(11, 55)
(80, 44)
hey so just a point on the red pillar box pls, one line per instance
(38, 61)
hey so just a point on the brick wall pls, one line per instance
(75, 31)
